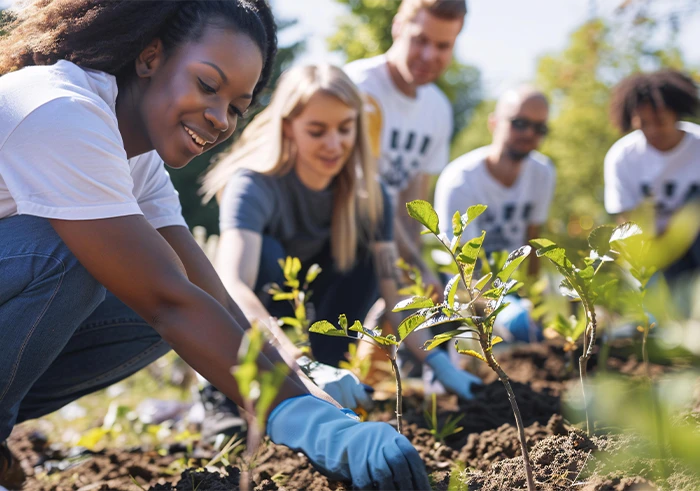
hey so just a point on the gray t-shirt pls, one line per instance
(283, 208)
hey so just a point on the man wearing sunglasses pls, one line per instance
(514, 180)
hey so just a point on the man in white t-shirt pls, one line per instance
(512, 179)
(658, 164)
(410, 119)
(509, 176)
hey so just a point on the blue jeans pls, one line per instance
(351, 293)
(62, 335)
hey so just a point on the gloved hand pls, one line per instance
(368, 454)
(342, 385)
(455, 380)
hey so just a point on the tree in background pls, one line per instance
(365, 31)
(578, 81)
(186, 180)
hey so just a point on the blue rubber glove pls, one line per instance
(455, 380)
(342, 385)
(371, 455)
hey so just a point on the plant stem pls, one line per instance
(399, 395)
(588, 343)
(516, 411)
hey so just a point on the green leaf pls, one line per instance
(409, 324)
(599, 239)
(514, 260)
(343, 321)
(423, 212)
(625, 231)
(296, 267)
(470, 352)
(439, 318)
(288, 268)
(446, 336)
(469, 255)
(413, 303)
(283, 296)
(542, 243)
(567, 289)
(357, 327)
(457, 227)
(496, 340)
(325, 327)
(388, 340)
(562, 326)
(270, 385)
(473, 212)
(313, 273)
(483, 281)
(451, 290)
(290, 321)
(492, 316)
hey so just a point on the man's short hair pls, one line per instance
(443, 9)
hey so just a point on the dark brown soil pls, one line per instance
(485, 455)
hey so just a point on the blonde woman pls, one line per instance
(301, 181)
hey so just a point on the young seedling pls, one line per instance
(473, 325)
(388, 344)
(570, 330)
(258, 389)
(628, 246)
(448, 429)
(577, 284)
(298, 296)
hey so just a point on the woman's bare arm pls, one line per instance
(133, 261)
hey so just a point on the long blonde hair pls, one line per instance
(263, 148)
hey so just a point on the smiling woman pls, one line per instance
(100, 275)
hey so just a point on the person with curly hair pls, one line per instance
(658, 163)
(100, 275)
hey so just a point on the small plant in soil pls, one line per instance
(570, 330)
(628, 246)
(258, 389)
(388, 344)
(298, 296)
(448, 429)
(476, 313)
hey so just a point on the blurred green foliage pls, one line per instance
(578, 81)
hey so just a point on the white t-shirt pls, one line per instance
(62, 156)
(409, 135)
(467, 182)
(635, 171)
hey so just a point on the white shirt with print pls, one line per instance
(62, 155)
(410, 135)
(467, 182)
(636, 171)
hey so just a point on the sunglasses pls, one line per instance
(522, 124)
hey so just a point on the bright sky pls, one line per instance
(503, 38)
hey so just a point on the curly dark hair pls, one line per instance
(669, 89)
(108, 35)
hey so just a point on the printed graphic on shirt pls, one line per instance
(406, 148)
(504, 225)
(671, 195)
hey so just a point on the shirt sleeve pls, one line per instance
(66, 160)
(619, 195)
(155, 192)
(543, 204)
(247, 203)
(441, 154)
